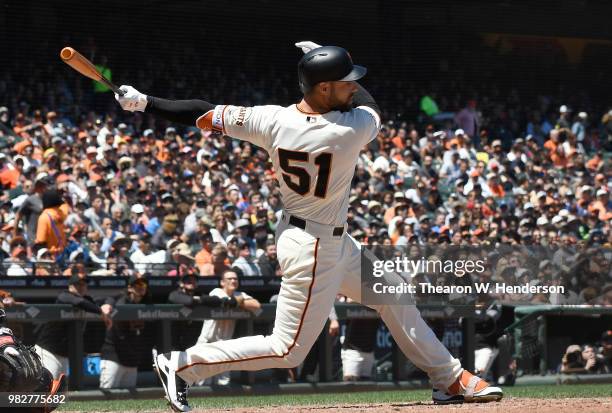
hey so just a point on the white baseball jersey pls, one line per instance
(314, 155)
(215, 330)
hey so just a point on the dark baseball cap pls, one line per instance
(189, 278)
(77, 278)
(135, 279)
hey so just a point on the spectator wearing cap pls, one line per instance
(268, 262)
(244, 265)
(52, 337)
(125, 345)
(242, 230)
(138, 219)
(143, 258)
(564, 117)
(586, 197)
(166, 231)
(45, 264)
(218, 330)
(50, 231)
(495, 187)
(183, 261)
(475, 181)
(32, 207)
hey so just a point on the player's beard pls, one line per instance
(343, 106)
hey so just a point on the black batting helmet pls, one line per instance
(325, 64)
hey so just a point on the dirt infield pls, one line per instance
(509, 405)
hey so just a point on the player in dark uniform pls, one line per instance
(52, 337)
(21, 371)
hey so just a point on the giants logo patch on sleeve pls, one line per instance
(238, 116)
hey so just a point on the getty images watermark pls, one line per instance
(463, 275)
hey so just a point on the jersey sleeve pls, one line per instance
(368, 123)
(251, 124)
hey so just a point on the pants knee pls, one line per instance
(294, 359)
(292, 355)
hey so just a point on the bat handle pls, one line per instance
(116, 89)
(112, 86)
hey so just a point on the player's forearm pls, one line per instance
(179, 111)
(251, 305)
(363, 98)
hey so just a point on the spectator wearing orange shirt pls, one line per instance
(204, 256)
(9, 175)
(595, 162)
(400, 139)
(555, 149)
(50, 231)
(495, 188)
(601, 205)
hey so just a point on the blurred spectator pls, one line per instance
(32, 207)
(52, 337)
(244, 265)
(45, 264)
(50, 230)
(204, 256)
(125, 343)
(268, 262)
(18, 263)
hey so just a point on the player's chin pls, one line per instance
(344, 107)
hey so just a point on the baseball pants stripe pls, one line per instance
(309, 286)
(304, 302)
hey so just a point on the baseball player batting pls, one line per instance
(314, 146)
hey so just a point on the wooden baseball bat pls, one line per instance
(82, 65)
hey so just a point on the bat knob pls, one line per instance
(67, 53)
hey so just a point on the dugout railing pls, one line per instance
(164, 316)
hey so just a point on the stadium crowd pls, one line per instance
(110, 193)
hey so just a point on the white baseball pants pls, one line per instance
(56, 364)
(356, 364)
(117, 376)
(316, 266)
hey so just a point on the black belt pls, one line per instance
(300, 223)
